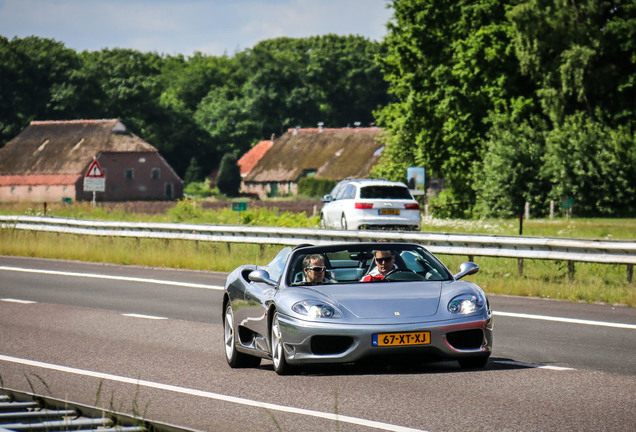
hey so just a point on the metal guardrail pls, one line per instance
(580, 250)
(20, 411)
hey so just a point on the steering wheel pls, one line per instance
(390, 272)
(392, 275)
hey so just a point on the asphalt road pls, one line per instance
(149, 341)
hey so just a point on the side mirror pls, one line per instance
(327, 198)
(261, 276)
(465, 269)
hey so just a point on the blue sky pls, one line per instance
(214, 27)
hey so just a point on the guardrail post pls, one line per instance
(520, 266)
(571, 271)
(630, 273)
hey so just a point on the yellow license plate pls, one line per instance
(389, 211)
(409, 338)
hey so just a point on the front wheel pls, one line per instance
(234, 358)
(281, 367)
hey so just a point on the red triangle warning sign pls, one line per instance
(94, 170)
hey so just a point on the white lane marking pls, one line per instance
(220, 288)
(566, 320)
(150, 317)
(210, 395)
(12, 300)
(121, 278)
(533, 365)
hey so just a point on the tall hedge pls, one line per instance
(315, 187)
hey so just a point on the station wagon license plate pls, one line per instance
(389, 211)
(409, 338)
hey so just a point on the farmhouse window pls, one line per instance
(155, 173)
(130, 173)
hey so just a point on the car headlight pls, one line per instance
(465, 304)
(316, 309)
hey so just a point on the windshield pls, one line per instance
(276, 266)
(385, 192)
(355, 263)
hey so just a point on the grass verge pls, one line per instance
(547, 279)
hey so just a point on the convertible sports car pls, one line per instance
(417, 309)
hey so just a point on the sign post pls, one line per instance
(416, 177)
(239, 206)
(566, 203)
(94, 179)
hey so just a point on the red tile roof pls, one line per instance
(249, 159)
(36, 180)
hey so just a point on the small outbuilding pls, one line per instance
(49, 159)
(333, 154)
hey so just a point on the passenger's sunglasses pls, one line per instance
(383, 260)
(316, 268)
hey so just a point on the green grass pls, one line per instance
(541, 278)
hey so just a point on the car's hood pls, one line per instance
(376, 300)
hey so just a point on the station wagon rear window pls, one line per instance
(385, 192)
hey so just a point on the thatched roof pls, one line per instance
(332, 153)
(66, 147)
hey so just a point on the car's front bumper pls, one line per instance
(319, 342)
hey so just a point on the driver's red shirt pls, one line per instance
(373, 278)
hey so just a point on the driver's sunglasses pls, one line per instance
(316, 268)
(383, 260)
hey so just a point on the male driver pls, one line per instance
(384, 263)
(314, 269)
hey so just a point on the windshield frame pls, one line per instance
(348, 263)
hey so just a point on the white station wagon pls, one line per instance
(356, 204)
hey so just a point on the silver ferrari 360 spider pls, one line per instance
(342, 303)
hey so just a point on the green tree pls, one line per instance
(38, 80)
(592, 164)
(483, 87)
(228, 179)
(286, 82)
(580, 55)
(511, 171)
(449, 65)
(193, 173)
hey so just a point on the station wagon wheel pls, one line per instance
(343, 222)
(234, 358)
(323, 224)
(278, 352)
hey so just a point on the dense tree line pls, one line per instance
(196, 108)
(515, 101)
(509, 101)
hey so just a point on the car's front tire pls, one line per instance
(234, 358)
(323, 223)
(281, 367)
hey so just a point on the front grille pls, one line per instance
(466, 339)
(325, 345)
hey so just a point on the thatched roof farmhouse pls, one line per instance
(48, 160)
(326, 153)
